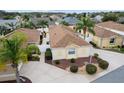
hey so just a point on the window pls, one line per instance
(71, 51)
(112, 41)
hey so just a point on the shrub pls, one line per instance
(48, 49)
(118, 46)
(48, 54)
(122, 49)
(122, 46)
(72, 60)
(91, 69)
(74, 69)
(33, 49)
(2, 66)
(33, 58)
(96, 55)
(103, 64)
(57, 62)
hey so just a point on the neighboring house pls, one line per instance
(48, 19)
(71, 20)
(5, 22)
(55, 17)
(97, 19)
(33, 35)
(108, 34)
(121, 20)
(65, 44)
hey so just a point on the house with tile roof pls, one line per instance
(108, 34)
(65, 44)
(33, 36)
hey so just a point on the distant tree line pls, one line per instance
(8, 15)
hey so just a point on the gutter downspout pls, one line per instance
(90, 55)
(123, 40)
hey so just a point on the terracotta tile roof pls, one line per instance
(112, 25)
(61, 36)
(101, 32)
(32, 34)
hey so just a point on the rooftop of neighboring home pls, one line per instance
(112, 25)
(101, 31)
(35, 20)
(32, 34)
(62, 36)
(3, 21)
(71, 20)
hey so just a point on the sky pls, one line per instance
(64, 11)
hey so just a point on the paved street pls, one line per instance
(116, 76)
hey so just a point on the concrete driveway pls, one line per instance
(112, 57)
(40, 72)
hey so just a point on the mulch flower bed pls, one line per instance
(65, 63)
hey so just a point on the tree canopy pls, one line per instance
(110, 17)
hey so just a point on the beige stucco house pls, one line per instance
(108, 34)
(65, 44)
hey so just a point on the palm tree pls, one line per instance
(28, 24)
(86, 25)
(25, 18)
(3, 30)
(12, 25)
(12, 51)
